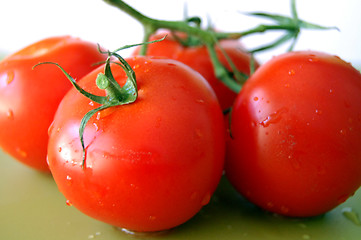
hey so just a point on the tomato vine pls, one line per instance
(209, 37)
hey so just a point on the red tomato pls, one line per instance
(296, 126)
(29, 98)
(150, 165)
(197, 57)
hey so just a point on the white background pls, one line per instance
(25, 21)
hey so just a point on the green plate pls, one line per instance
(31, 207)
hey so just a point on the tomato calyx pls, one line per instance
(116, 95)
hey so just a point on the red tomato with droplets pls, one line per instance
(296, 127)
(29, 98)
(197, 57)
(150, 165)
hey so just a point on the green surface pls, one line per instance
(31, 207)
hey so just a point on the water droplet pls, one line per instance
(152, 218)
(10, 114)
(291, 72)
(206, 199)
(318, 112)
(96, 127)
(273, 118)
(69, 180)
(9, 77)
(21, 152)
(136, 66)
(200, 101)
(255, 98)
(313, 58)
(91, 103)
(351, 215)
(67, 202)
(60, 149)
(287, 85)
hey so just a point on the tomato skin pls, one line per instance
(150, 165)
(29, 98)
(296, 128)
(197, 57)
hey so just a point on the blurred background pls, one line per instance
(23, 22)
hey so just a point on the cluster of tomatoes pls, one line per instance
(291, 143)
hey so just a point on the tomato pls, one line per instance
(197, 57)
(29, 98)
(151, 164)
(296, 127)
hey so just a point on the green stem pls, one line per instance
(209, 38)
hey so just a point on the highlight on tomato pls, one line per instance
(29, 98)
(296, 134)
(150, 150)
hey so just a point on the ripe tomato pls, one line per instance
(150, 165)
(29, 98)
(296, 126)
(197, 57)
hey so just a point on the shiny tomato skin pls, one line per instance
(296, 127)
(150, 165)
(29, 98)
(197, 57)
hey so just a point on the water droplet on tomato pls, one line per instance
(67, 202)
(21, 152)
(10, 77)
(343, 132)
(10, 114)
(136, 66)
(206, 199)
(287, 85)
(318, 112)
(91, 103)
(255, 99)
(273, 118)
(69, 180)
(96, 127)
(291, 72)
(313, 58)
